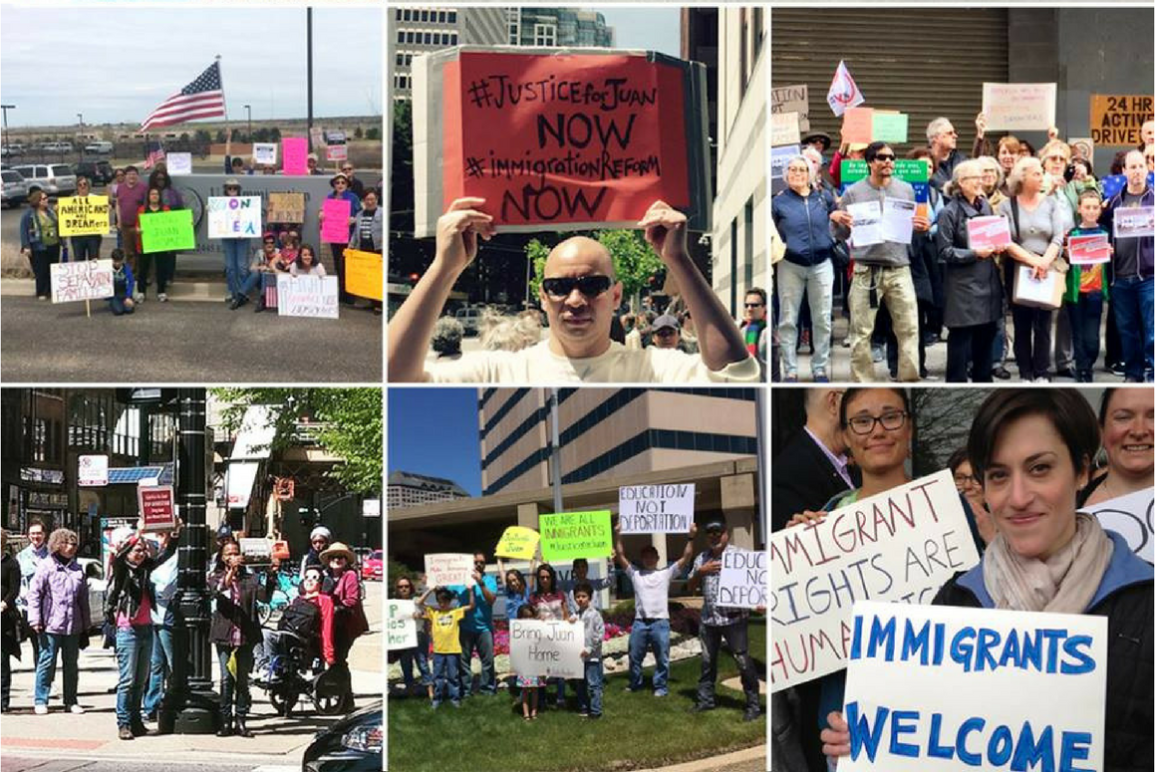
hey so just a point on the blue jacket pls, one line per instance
(30, 230)
(1106, 220)
(129, 281)
(804, 225)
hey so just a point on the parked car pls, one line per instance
(469, 317)
(353, 744)
(101, 147)
(100, 172)
(97, 586)
(56, 147)
(15, 188)
(53, 179)
(372, 567)
(11, 150)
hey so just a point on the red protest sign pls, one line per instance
(157, 509)
(988, 232)
(1089, 250)
(566, 139)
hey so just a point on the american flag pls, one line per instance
(156, 152)
(203, 98)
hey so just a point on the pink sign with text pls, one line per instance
(988, 232)
(335, 228)
(293, 153)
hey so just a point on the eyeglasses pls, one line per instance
(865, 424)
(753, 305)
(966, 479)
(590, 286)
(884, 157)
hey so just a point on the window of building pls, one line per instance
(429, 38)
(453, 17)
(454, 40)
(545, 34)
(425, 16)
(748, 242)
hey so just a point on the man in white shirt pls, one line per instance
(580, 294)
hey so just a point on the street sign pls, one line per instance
(92, 471)
(157, 508)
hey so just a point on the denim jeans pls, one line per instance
(446, 677)
(1084, 322)
(160, 667)
(655, 636)
(69, 648)
(735, 635)
(133, 653)
(235, 688)
(483, 641)
(118, 308)
(817, 281)
(236, 263)
(85, 248)
(1132, 306)
(590, 688)
(419, 656)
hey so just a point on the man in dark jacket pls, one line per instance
(942, 138)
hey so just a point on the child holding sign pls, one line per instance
(1087, 287)
(445, 626)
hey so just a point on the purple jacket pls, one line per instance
(58, 597)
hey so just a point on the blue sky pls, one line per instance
(652, 29)
(435, 432)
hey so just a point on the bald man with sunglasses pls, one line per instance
(580, 295)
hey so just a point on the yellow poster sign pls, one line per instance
(363, 274)
(1116, 119)
(517, 542)
(83, 216)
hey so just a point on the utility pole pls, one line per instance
(555, 451)
(309, 64)
(249, 120)
(5, 109)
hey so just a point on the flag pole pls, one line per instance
(225, 105)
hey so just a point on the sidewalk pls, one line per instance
(185, 289)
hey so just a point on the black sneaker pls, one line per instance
(752, 714)
(1001, 372)
(699, 707)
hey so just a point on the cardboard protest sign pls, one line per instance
(785, 129)
(157, 507)
(335, 228)
(295, 155)
(167, 231)
(939, 688)
(400, 626)
(1131, 517)
(86, 280)
(265, 153)
(569, 535)
(743, 579)
(901, 545)
(1089, 250)
(307, 296)
(780, 157)
(566, 140)
(363, 274)
(179, 164)
(551, 649)
(234, 217)
(517, 542)
(83, 216)
(447, 569)
(991, 232)
(792, 99)
(1132, 222)
(888, 126)
(1115, 120)
(286, 208)
(1019, 106)
(656, 508)
(857, 124)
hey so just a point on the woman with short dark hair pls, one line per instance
(40, 241)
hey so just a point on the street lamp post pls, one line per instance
(80, 133)
(249, 120)
(5, 109)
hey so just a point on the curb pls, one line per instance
(753, 753)
(197, 290)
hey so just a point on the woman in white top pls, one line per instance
(307, 263)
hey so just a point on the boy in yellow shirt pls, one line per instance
(445, 623)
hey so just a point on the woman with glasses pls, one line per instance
(40, 241)
(85, 247)
(801, 215)
(404, 590)
(340, 185)
(319, 539)
(58, 614)
(971, 490)
(973, 295)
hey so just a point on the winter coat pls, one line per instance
(1125, 598)
(804, 225)
(58, 597)
(350, 615)
(129, 584)
(10, 573)
(972, 290)
(242, 614)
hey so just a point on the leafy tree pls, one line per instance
(373, 132)
(202, 135)
(634, 261)
(274, 134)
(358, 133)
(221, 136)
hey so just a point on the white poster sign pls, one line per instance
(1019, 106)
(92, 471)
(656, 508)
(784, 129)
(400, 626)
(552, 649)
(743, 579)
(265, 153)
(86, 280)
(448, 569)
(307, 296)
(179, 164)
(1131, 517)
(234, 217)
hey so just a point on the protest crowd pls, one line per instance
(46, 602)
(1035, 484)
(956, 246)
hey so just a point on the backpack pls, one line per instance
(302, 618)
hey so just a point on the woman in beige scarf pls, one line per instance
(1032, 450)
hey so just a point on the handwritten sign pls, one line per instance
(1089, 250)
(265, 153)
(517, 542)
(857, 124)
(1131, 517)
(936, 688)
(83, 216)
(656, 508)
(363, 274)
(335, 147)
(792, 99)
(563, 141)
(335, 228)
(551, 649)
(157, 507)
(179, 164)
(448, 569)
(286, 208)
(1116, 120)
(167, 231)
(569, 535)
(1132, 222)
(989, 232)
(888, 126)
(743, 579)
(901, 545)
(295, 155)
(234, 217)
(400, 626)
(86, 280)
(314, 296)
(1019, 106)
(785, 129)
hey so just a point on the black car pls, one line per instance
(353, 744)
(100, 172)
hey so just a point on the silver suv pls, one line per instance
(15, 188)
(53, 179)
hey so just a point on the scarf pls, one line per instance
(1065, 583)
(751, 336)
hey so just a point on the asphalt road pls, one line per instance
(183, 341)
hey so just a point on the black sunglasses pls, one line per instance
(754, 305)
(590, 286)
(884, 157)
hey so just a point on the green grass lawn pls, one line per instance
(636, 730)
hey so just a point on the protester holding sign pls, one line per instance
(1032, 449)
(973, 294)
(341, 191)
(581, 298)
(40, 241)
(720, 623)
(651, 628)
(1132, 271)
(477, 629)
(513, 582)
(344, 586)
(549, 602)
(419, 655)
(368, 236)
(86, 247)
(267, 264)
(1126, 417)
(131, 195)
(166, 261)
(236, 252)
(445, 623)
(165, 640)
(1087, 289)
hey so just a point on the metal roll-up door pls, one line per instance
(924, 62)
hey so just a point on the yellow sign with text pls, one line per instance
(83, 216)
(517, 542)
(363, 274)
